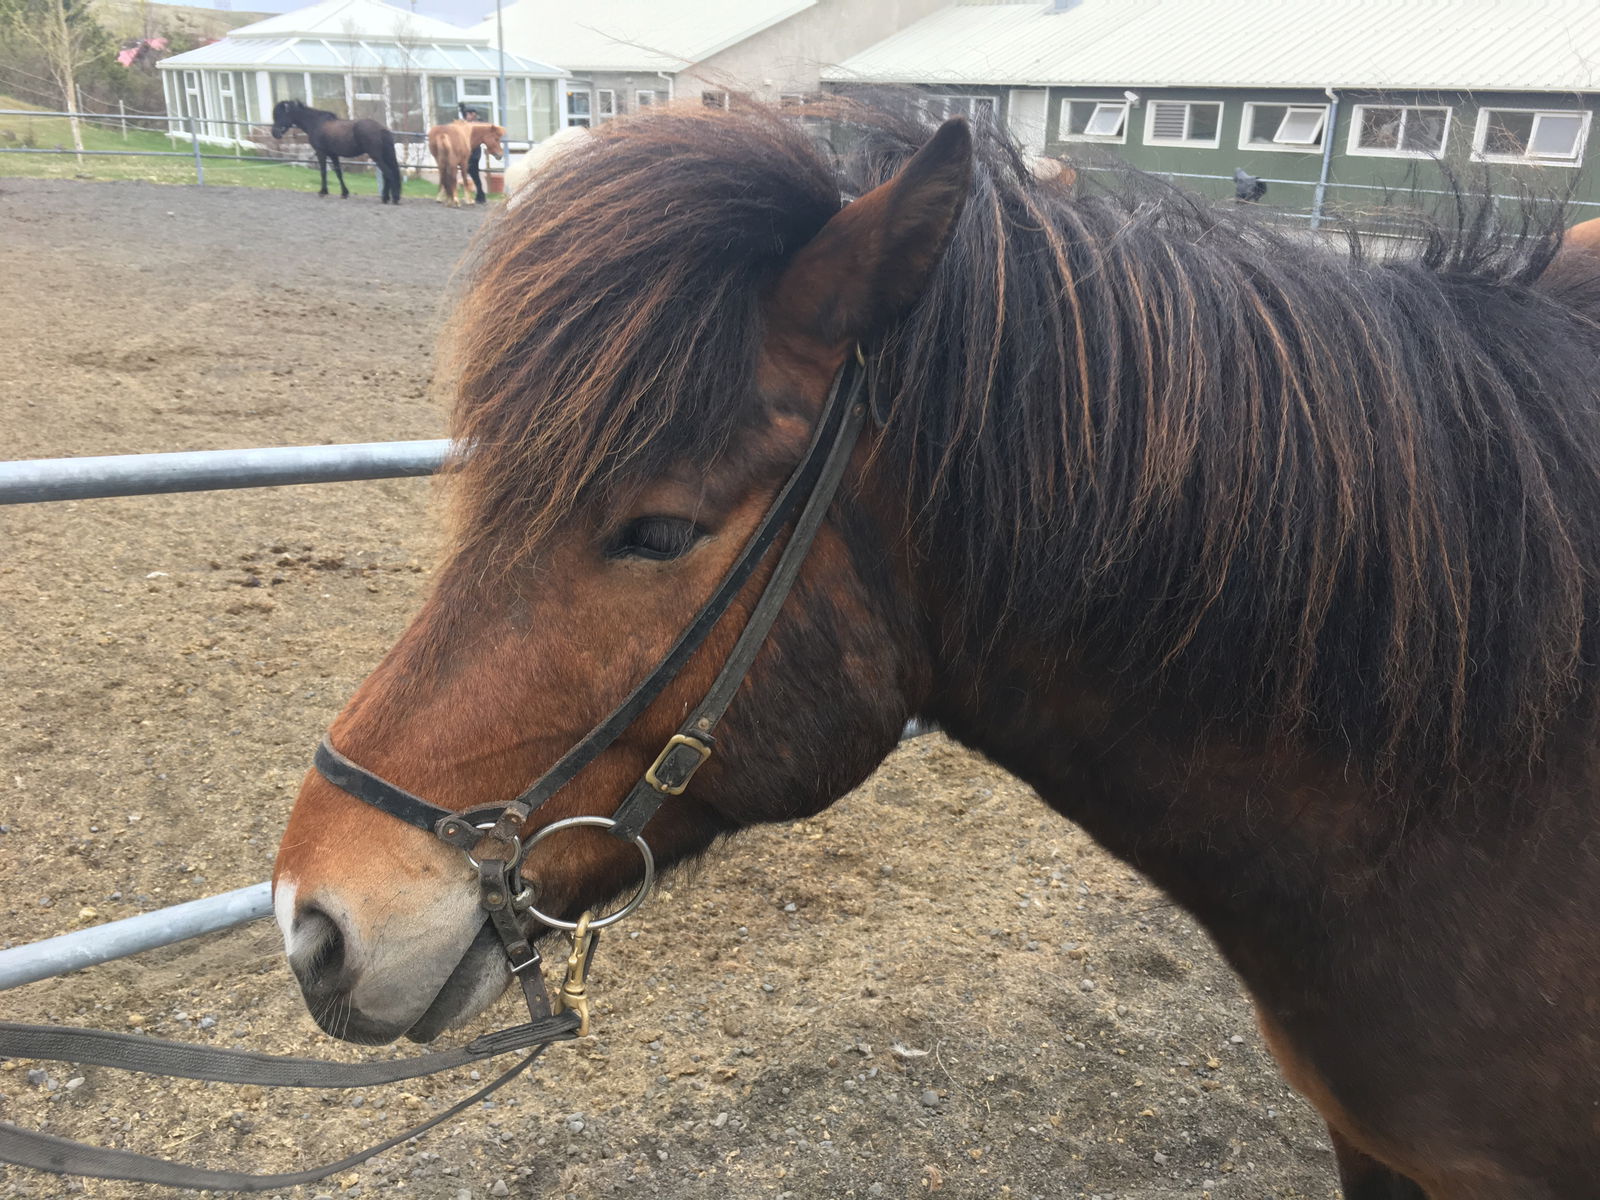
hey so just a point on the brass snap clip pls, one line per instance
(574, 993)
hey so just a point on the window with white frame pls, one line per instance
(328, 92)
(605, 103)
(714, 99)
(368, 96)
(445, 98)
(1283, 126)
(644, 99)
(479, 94)
(191, 95)
(1551, 136)
(973, 108)
(1398, 131)
(1183, 123)
(791, 99)
(1094, 121)
(580, 108)
(227, 101)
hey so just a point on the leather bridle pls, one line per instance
(509, 902)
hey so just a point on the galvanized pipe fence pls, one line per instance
(199, 132)
(31, 481)
(1319, 211)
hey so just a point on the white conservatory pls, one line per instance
(358, 58)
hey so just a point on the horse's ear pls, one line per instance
(870, 262)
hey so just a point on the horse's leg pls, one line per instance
(322, 162)
(344, 192)
(1364, 1178)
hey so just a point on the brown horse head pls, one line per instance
(633, 403)
(285, 114)
(490, 136)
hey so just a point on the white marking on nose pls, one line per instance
(283, 910)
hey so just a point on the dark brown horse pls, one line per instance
(331, 136)
(1279, 572)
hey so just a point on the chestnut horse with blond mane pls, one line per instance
(1277, 571)
(452, 147)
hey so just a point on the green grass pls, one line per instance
(103, 133)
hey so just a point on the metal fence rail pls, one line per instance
(145, 931)
(42, 479)
(1323, 207)
(30, 481)
(33, 480)
(198, 132)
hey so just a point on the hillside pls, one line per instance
(125, 19)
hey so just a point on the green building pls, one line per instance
(1336, 105)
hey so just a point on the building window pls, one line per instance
(1525, 135)
(1183, 123)
(191, 94)
(1094, 120)
(288, 85)
(405, 104)
(1398, 131)
(714, 99)
(791, 99)
(975, 108)
(368, 91)
(543, 111)
(515, 118)
(328, 94)
(644, 99)
(605, 103)
(479, 94)
(443, 88)
(1283, 126)
(579, 109)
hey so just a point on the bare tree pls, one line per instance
(66, 37)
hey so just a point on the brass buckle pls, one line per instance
(678, 739)
(574, 993)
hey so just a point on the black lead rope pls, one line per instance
(808, 492)
(53, 1043)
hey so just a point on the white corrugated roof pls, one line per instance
(1472, 45)
(635, 35)
(350, 19)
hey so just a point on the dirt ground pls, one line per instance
(936, 987)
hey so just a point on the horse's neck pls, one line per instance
(1151, 782)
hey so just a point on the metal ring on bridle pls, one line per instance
(516, 846)
(610, 918)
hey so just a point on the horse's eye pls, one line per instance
(658, 538)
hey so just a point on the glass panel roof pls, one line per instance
(320, 54)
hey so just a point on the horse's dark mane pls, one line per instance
(1321, 496)
(293, 108)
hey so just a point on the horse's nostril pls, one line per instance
(319, 948)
